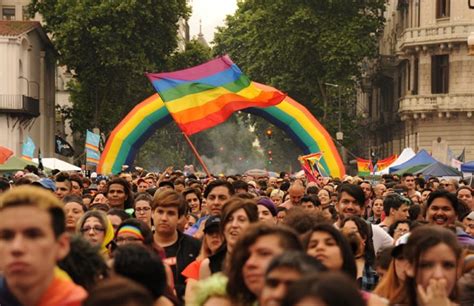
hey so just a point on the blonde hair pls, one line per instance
(33, 196)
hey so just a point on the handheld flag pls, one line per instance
(366, 167)
(92, 148)
(28, 149)
(309, 163)
(62, 147)
(203, 96)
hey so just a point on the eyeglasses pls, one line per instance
(120, 240)
(143, 209)
(96, 229)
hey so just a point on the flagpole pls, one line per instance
(197, 155)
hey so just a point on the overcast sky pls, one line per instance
(211, 13)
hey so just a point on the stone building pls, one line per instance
(420, 91)
(27, 86)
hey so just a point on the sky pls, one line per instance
(212, 13)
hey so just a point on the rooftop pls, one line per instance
(15, 28)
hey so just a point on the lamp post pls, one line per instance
(28, 85)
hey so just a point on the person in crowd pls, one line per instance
(119, 193)
(310, 203)
(327, 288)
(425, 193)
(33, 239)
(382, 261)
(295, 194)
(96, 228)
(253, 252)
(102, 184)
(4, 185)
(360, 236)
(100, 197)
(399, 228)
(281, 214)
(465, 193)
(284, 270)
(450, 185)
(193, 197)
(77, 186)
(434, 257)
(366, 187)
(237, 215)
(277, 196)
(119, 290)
(328, 245)
(74, 210)
(181, 249)
(468, 222)
(395, 208)
(267, 211)
(377, 210)
(87, 199)
(211, 243)
(142, 185)
(379, 189)
(324, 197)
(144, 266)
(142, 208)
(408, 180)
(84, 264)
(116, 216)
(216, 194)
(350, 202)
(392, 285)
(63, 185)
(191, 219)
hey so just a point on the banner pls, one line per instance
(28, 149)
(92, 148)
(365, 167)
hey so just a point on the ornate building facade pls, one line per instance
(420, 91)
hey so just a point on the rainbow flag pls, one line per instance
(203, 96)
(310, 165)
(365, 167)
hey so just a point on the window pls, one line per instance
(439, 74)
(8, 13)
(26, 15)
(416, 64)
(442, 8)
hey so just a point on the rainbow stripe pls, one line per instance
(132, 230)
(206, 95)
(151, 114)
(365, 168)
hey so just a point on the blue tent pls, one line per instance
(468, 167)
(421, 158)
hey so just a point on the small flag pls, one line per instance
(462, 156)
(62, 147)
(28, 149)
(203, 96)
(5, 154)
(92, 148)
(310, 165)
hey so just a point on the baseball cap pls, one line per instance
(46, 183)
(211, 223)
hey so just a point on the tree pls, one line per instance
(298, 46)
(109, 45)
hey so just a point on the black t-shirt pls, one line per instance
(170, 259)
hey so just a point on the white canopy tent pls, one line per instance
(406, 155)
(55, 163)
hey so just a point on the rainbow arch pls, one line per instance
(298, 123)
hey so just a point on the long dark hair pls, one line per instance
(366, 233)
(421, 240)
(348, 260)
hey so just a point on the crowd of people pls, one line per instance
(167, 238)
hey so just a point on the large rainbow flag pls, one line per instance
(365, 167)
(206, 95)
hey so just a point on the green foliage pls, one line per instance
(298, 46)
(109, 45)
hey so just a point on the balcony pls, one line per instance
(437, 103)
(19, 105)
(436, 34)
